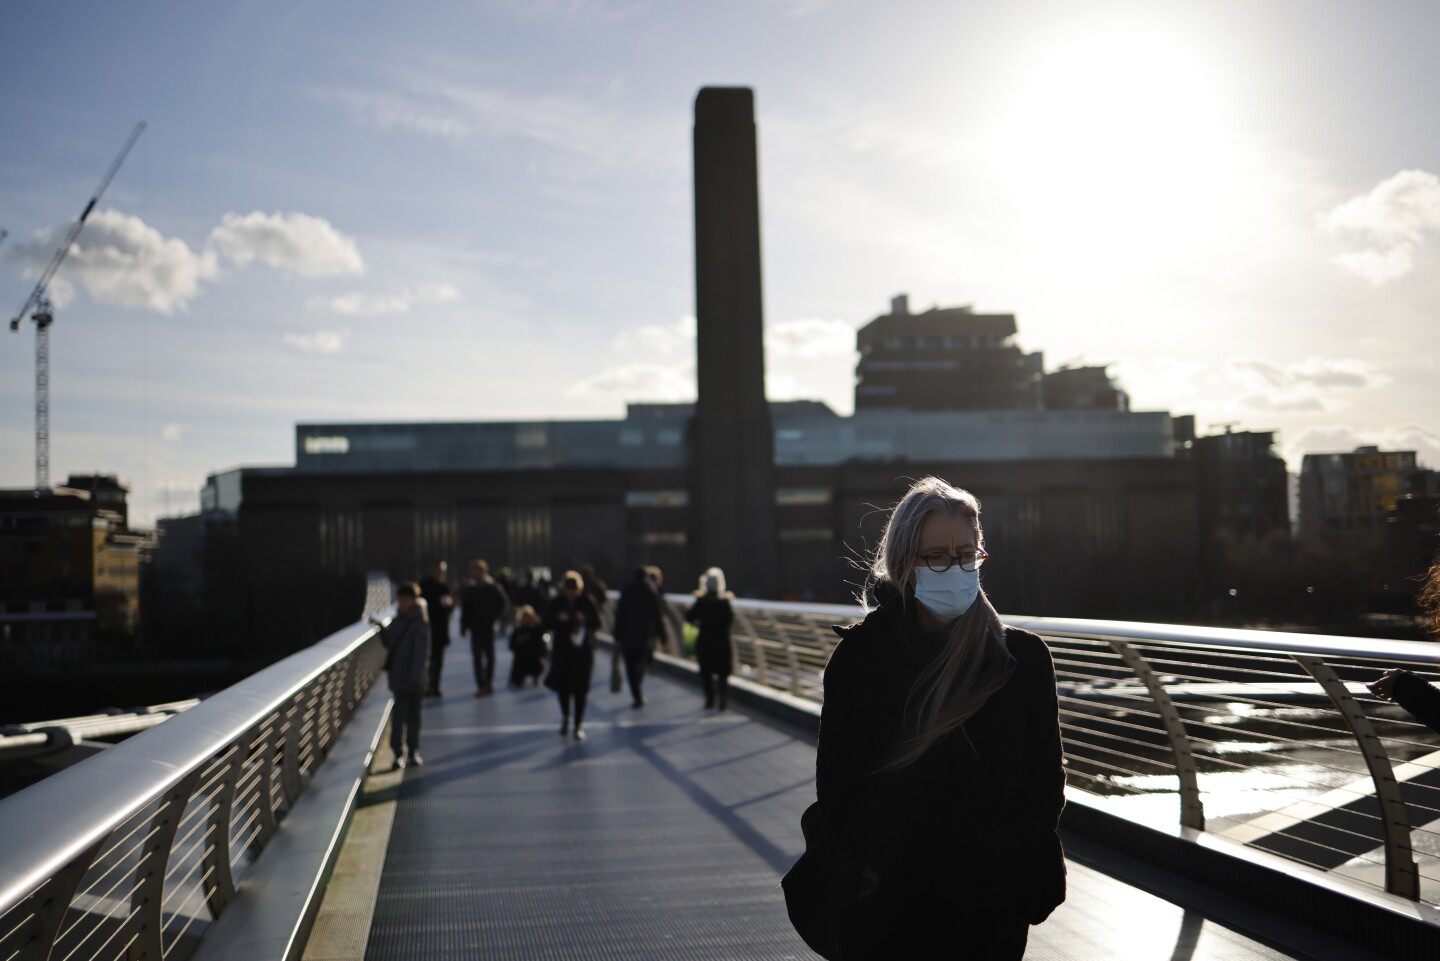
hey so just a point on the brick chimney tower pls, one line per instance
(732, 503)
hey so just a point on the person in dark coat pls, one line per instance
(435, 589)
(595, 588)
(1409, 690)
(482, 603)
(637, 623)
(939, 759)
(407, 645)
(713, 614)
(572, 621)
(527, 647)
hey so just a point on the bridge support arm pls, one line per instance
(1192, 809)
(1401, 875)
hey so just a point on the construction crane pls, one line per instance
(38, 306)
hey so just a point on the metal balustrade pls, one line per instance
(1267, 739)
(132, 853)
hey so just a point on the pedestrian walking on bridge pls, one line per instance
(572, 621)
(407, 651)
(938, 769)
(713, 614)
(482, 603)
(637, 624)
(435, 589)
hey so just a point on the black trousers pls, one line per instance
(405, 721)
(579, 697)
(437, 661)
(635, 662)
(482, 649)
(714, 683)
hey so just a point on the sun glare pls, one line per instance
(1119, 138)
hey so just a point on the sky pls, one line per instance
(449, 210)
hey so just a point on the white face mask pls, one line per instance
(947, 594)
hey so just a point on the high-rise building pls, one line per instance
(1344, 497)
(1083, 388)
(69, 572)
(945, 359)
(1241, 484)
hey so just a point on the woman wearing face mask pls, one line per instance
(939, 761)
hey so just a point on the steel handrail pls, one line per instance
(1098, 655)
(54, 832)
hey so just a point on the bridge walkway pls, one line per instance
(663, 835)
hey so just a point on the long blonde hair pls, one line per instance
(975, 662)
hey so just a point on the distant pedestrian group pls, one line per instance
(552, 631)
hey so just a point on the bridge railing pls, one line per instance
(134, 852)
(1268, 739)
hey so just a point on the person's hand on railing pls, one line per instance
(1383, 687)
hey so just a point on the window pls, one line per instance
(806, 535)
(336, 444)
(797, 496)
(531, 436)
(669, 437)
(662, 498)
(631, 437)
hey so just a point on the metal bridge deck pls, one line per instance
(662, 836)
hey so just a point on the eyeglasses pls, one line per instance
(942, 561)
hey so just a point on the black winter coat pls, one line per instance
(1419, 698)
(971, 828)
(571, 664)
(638, 617)
(438, 603)
(713, 614)
(481, 604)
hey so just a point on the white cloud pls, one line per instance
(639, 381)
(1313, 384)
(172, 432)
(429, 104)
(659, 340)
(1161, 382)
(297, 242)
(120, 259)
(389, 112)
(810, 337)
(323, 341)
(801, 8)
(361, 304)
(1389, 223)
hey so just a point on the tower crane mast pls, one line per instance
(38, 306)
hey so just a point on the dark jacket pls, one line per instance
(528, 646)
(571, 664)
(1419, 698)
(481, 604)
(407, 639)
(713, 614)
(638, 617)
(437, 598)
(971, 827)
